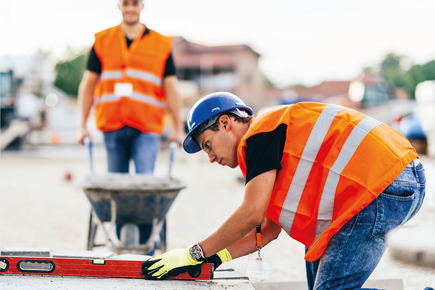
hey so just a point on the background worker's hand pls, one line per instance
(169, 264)
(83, 132)
(177, 136)
(219, 258)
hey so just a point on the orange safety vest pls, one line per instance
(143, 66)
(335, 162)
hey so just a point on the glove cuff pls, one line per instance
(224, 255)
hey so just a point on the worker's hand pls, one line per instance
(169, 264)
(219, 258)
(177, 136)
(83, 132)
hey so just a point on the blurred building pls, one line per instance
(205, 69)
(364, 91)
(333, 90)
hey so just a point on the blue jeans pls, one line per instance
(356, 249)
(128, 143)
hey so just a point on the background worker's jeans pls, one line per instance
(354, 252)
(128, 143)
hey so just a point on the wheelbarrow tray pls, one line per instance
(134, 199)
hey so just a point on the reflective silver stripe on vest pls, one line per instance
(135, 96)
(303, 169)
(144, 76)
(326, 206)
(111, 75)
(147, 99)
(107, 98)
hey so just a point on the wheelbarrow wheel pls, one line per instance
(92, 231)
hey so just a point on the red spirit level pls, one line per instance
(89, 268)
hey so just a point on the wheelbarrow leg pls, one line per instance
(163, 238)
(92, 231)
(158, 237)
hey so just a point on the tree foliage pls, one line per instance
(392, 70)
(69, 72)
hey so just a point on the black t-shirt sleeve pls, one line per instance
(264, 152)
(170, 66)
(94, 63)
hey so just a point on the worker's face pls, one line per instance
(220, 146)
(130, 10)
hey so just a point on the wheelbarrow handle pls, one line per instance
(88, 143)
(172, 148)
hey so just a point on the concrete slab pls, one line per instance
(414, 245)
(72, 283)
(26, 252)
(222, 274)
(390, 284)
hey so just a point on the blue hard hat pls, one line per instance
(207, 108)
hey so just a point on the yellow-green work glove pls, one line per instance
(169, 264)
(219, 258)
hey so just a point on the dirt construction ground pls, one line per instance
(41, 207)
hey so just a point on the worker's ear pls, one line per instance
(224, 123)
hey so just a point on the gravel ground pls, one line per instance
(40, 207)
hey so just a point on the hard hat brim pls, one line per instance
(189, 145)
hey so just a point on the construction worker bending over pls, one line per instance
(130, 78)
(332, 178)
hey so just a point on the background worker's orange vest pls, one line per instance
(143, 66)
(335, 162)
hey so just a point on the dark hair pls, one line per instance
(244, 120)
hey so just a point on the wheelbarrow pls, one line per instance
(121, 198)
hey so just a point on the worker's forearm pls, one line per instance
(174, 112)
(247, 245)
(232, 230)
(86, 100)
(173, 101)
(249, 214)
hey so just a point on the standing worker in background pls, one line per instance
(332, 178)
(130, 78)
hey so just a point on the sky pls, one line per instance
(299, 41)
